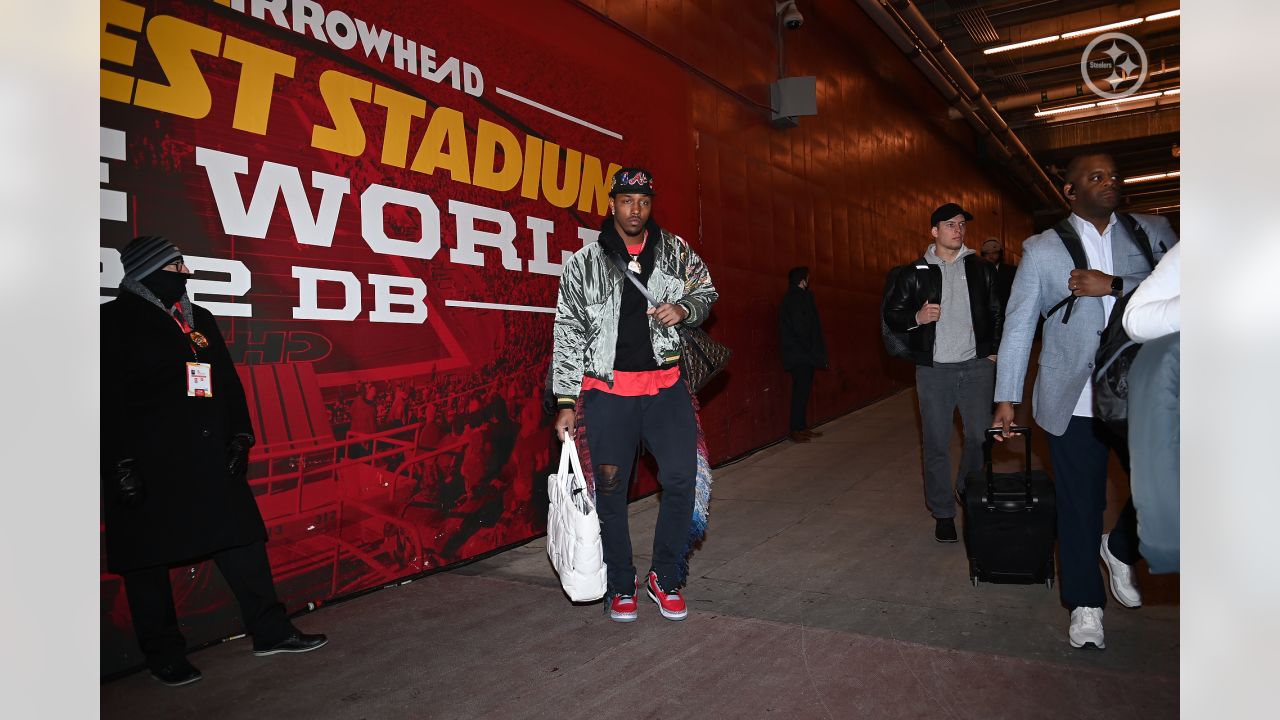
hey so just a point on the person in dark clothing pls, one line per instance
(364, 420)
(947, 304)
(803, 350)
(175, 447)
(993, 252)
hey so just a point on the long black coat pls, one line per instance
(1004, 283)
(193, 507)
(799, 331)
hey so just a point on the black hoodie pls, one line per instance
(635, 347)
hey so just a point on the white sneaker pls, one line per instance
(1086, 627)
(1123, 588)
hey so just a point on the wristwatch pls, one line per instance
(1117, 286)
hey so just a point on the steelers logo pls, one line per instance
(1114, 65)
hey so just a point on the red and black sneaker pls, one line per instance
(670, 604)
(622, 608)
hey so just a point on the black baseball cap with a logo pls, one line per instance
(632, 180)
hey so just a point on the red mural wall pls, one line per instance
(377, 197)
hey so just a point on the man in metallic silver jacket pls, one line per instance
(616, 376)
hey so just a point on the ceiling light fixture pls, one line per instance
(1103, 103)
(1153, 177)
(1131, 98)
(1070, 108)
(1101, 28)
(1081, 33)
(1020, 45)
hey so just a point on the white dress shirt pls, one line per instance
(1097, 249)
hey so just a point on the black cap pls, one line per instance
(632, 180)
(946, 212)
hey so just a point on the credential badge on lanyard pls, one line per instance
(199, 379)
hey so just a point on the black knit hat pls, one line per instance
(632, 180)
(147, 254)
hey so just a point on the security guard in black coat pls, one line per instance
(175, 448)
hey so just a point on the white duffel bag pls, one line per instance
(573, 530)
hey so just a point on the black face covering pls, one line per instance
(168, 286)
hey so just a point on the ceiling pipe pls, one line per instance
(928, 53)
(959, 104)
(1066, 91)
(934, 44)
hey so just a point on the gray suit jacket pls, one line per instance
(1067, 351)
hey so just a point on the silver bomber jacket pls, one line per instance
(586, 325)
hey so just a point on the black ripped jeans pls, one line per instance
(616, 427)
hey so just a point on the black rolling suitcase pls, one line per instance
(1010, 521)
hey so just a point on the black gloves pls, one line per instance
(238, 456)
(128, 484)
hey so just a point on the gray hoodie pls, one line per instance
(954, 341)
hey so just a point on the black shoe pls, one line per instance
(177, 673)
(945, 532)
(295, 643)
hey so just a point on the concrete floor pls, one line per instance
(819, 593)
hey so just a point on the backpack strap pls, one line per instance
(1140, 237)
(1075, 247)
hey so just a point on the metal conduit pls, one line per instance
(958, 74)
(1065, 92)
(959, 104)
(936, 61)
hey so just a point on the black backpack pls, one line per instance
(1116, 350)
(1115, 355)
(895, 343)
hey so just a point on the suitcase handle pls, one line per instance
(988, 443)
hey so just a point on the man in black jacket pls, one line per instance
(803, 350)
(176, 435)
(993, 252)
(948, 304)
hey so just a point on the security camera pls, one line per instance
(789, 13)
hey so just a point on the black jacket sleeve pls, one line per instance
(995, 306)
(902, 304)
(790, 333)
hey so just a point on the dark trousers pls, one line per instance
(944, 388)
(1079, 459)
(246, 570)
(664, 424)
(801, 386)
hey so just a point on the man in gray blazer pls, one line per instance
(1062, 400)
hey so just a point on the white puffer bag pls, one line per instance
(573, 530)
